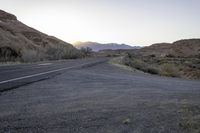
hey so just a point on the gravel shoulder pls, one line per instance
(102, 99)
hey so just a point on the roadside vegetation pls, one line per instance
(9, 55)
(86, 51)
(190, 119)
(165, 66)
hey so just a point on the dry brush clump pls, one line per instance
(34, 55)
(168, 69)
(86, 51)
(139, 64)
(31, 56)
(60, 52)
(165, 66)
(8, 54)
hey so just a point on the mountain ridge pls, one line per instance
(95, 46)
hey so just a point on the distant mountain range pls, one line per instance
(98, 46)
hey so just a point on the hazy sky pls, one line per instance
(135, 22)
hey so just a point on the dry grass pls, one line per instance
(117, 61)
(170, 70)
(140, 65)
(190, 119)
(165, 66)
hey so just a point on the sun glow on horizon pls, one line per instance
(124, 21)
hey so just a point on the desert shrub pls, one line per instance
(152, 55)
(171, 70)
(54, 53)
(132, 62)
(138, 64)
(129, 55)
(71, 54)
(192, 64)
(8, 54)
(152, 70)
(30, 56)
(141, 65)
(86, 51)
(165, 66)
(170, 56)
(62, 52)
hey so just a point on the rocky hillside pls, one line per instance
(98, 46)
(179, 59)
(181, 48)
(20, 42)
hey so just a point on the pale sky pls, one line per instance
(134, 22)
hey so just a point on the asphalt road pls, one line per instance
(14, 76)
(98, 98)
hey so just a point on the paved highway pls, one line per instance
(14, 76)
(98, 98)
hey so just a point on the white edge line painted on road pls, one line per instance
(44, 64)
(43, 73)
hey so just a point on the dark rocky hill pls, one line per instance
(181, 48)
(18, 41)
